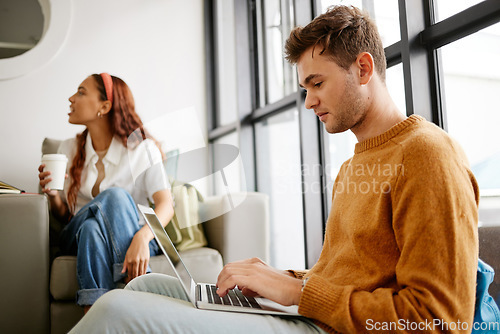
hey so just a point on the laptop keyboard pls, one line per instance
(234, 297)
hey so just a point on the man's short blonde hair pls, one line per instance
(343, 32)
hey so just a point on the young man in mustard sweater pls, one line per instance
(401, 247)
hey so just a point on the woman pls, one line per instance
(113, 167)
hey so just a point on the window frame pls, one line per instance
(421, 37)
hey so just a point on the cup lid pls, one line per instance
(55, 157)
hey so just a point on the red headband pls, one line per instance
(108, 86)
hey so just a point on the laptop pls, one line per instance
(203, 295)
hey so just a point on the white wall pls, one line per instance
(155, 46)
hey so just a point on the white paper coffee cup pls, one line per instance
(56, 165)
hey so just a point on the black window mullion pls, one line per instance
(417, 62)
(221, 131)
(285, 103)
(435, 70)
(245, 81)
(264, 94)
(313, 191)
(211, 63)
(463, 24)
(393, 54)
(311, 159)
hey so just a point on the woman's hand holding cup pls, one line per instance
(44, 180)
(52, 173)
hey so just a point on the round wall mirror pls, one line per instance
(36, 45)
(21, 26)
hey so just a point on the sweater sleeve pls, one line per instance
(434, 219)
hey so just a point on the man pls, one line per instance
(400, 250)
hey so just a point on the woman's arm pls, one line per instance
(164, 210)
(164, 206)
(137, 257)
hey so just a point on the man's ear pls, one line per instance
(366, 67)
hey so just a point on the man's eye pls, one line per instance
(318, 84)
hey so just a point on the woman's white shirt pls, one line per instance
(139, 170)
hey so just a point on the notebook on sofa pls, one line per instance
(203, 295)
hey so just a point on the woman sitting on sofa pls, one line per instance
(114, 165)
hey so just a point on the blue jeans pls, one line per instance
(156, 303)
(100, 234)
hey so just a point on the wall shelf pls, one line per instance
(17, 46)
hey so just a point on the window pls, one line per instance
(471, 88)
(395, 84)
(436, 53)
(276, 23)
(340, 147)
(226, 57)
(231, 179)
(447, 8)
(327, 3)
(385, 14)
(279, 175)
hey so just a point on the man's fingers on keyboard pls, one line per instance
(248, 292)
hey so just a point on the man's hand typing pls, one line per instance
(254, 277)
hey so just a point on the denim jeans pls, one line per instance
(156, 303)
(100, 234)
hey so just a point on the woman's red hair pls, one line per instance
(124, 123)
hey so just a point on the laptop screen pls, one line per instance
(169, 250)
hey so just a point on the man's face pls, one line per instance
(332, 92)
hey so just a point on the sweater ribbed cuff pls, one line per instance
(319, 301)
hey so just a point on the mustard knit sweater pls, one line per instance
(401, 246)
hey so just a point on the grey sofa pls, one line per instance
(489, 251)
(40, 286)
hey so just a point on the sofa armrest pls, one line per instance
(239, 233)
(24, 245)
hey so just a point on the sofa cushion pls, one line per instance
(63, 283)
(50, 145)
(63, 316)
(241, 232)
(204, 264)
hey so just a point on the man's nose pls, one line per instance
(311, 101)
